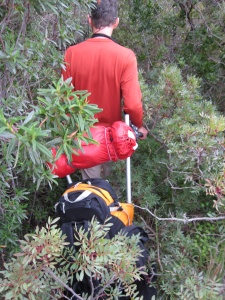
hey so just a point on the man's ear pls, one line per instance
(116, 23)
(89, 20)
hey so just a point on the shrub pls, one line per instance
(44, 267)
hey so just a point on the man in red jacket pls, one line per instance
(108, 71)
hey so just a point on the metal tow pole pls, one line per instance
(128, 167)
(68, 178)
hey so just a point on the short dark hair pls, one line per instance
(104, 13)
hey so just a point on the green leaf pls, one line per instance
(44, 150)
(29, 118)
(6, 135)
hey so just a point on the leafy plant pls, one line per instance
(31, 37)
(25, 275)
(60, 120)
(44, 267)
(171, 179)
(177, 172)
(189, 129)
(182, 278)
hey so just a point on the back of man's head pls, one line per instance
(104, 13)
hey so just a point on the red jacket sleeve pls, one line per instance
(131, 91)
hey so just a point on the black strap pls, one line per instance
(103, 35)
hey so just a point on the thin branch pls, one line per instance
(49, 271)
(109, 283)
(207, 26)
(185, 219)
(7, 19)
(67, 298)
(148, 227)
(178, 188)
(158, 248)
(23, 27)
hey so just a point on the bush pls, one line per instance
(45, 267)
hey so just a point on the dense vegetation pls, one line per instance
(178, 185)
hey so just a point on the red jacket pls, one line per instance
(109, 72)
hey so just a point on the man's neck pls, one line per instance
(107, 31)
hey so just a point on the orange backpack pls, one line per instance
(88, 191)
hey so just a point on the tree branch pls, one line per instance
(49, 271)
(185, 219)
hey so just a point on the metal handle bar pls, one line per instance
(136, 132)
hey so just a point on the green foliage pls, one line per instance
(27, 147)
(190, 130)
(187, 33)
(143, 181)
(171, 179)
(182, 278)
(178, 171)
(208, 238)
(36, 108)
(109, 260)
(68, 114)
(60, 120)
(26, 275)
(43, 268)
(13, 212)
